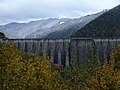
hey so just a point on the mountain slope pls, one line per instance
(64, 28)
(44, 30)
(11, 30)
(105, 26)
(47, 28)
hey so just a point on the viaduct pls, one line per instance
(63, 51)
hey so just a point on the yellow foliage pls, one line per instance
(107, 76)
(27, 71)
(20, 73)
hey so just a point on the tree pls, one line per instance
(25, 71)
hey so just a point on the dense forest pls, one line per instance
(105, 26)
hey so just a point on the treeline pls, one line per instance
(27, 71)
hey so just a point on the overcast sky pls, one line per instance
(25, 10)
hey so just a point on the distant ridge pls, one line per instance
(51, 28)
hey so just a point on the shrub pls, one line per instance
(25, 71)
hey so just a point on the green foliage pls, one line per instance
(27, 71)
(2, 35)
(105, 26)
(93, 74)
(115, 56)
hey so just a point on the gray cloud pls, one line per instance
(23, 10)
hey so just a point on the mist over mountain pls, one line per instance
(47, 28)
(105, 26)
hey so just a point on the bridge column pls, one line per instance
(67, 52)
(59, 49)
(52, 49)
(21, 44)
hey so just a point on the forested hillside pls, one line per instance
(105, 26)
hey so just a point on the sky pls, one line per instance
(28, 10)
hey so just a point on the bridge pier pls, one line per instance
(67, 51)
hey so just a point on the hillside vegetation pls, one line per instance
(2, 35)
(105, 26)
(27, 71)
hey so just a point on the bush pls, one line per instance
(27, 71)
(94, 74)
